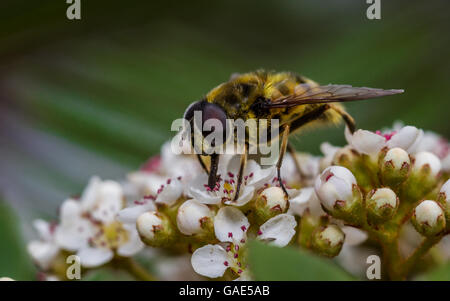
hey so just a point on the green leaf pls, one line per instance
(14, 259)
(440, 273)
(269, 263)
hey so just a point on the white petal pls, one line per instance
(348, 135)
(245, 195)
(89, 196)
(210, 261)
(354, 236)
(405, 138)
(69, 212)
(198, 191)
(278, 230)
(367, 142)
(170, 193)
(109, 201)
(234, 164)
(42, 253)
(134, 244)
(94, 257)
(147, 183)
(262, 176)
(74, 237)
(43, 229)
(230, 224)
(446, 163)
(130, 214)
(299, 199)
(343, 173)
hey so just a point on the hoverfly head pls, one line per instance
(209, 120)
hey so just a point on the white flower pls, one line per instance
(89, 228)
(278, 230)
(191, 214)
(254, 177)
(423, 159)
(302, 199)
(333, 185)
(369, 143)
(44, 250)
(353, 236)
(230, 224)
(6, 279)
(129, 215)
(156, 171)
(309, 167)
(169, 192)
(438, 145)
(329, 151)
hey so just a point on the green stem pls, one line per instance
(139, 272)
(424, 247)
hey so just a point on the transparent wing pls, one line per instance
(306, 94)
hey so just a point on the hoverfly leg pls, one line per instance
(293, 154)
(284, 143)
(241, 172)
(202, 163)
(349, 121)
(212, 179)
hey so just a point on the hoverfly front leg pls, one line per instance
(212, 179)
(284, 143)
(241, 172)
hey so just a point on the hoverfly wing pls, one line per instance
(307, 94)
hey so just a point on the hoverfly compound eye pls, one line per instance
(214, 112)
(195, 106)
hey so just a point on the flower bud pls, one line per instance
(194, 218)
(427, 164)
(328, 240)
(423, 176)
(338, 193)
(395, 166)
(382, 203)
(155, 229)
(270, 202)
(444, 199)
(428, 218)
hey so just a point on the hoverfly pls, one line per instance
(294, 100)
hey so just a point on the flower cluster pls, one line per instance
(372, 189)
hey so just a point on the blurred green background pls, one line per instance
(97, 96)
